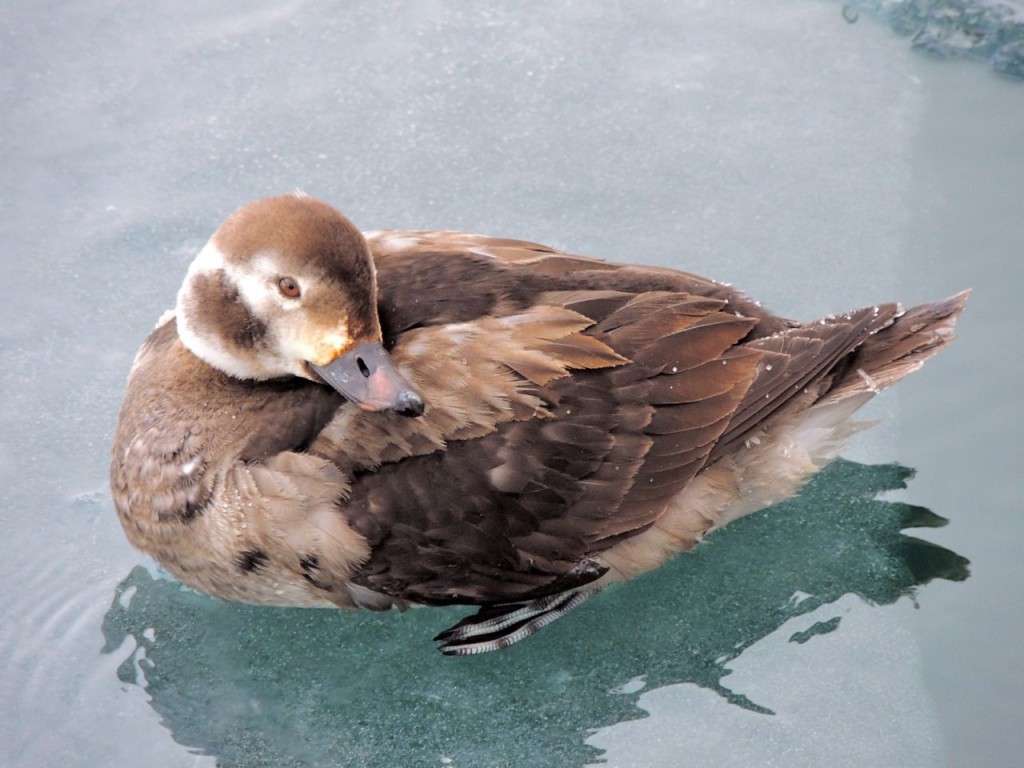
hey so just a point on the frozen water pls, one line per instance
(816, 693)
(257, 687)
(819, 164)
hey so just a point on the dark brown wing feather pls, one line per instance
(436, 283)
(665, 373)
(803, 358)
(512, 515)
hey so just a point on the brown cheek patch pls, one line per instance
(216, 304)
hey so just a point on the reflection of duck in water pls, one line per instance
(244, 683)
(574, 421)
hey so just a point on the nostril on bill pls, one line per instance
(363, 368)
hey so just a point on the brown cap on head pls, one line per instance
(314, 237)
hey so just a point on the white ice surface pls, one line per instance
(772, 145)
(847, 699)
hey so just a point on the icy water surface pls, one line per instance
(818, 163)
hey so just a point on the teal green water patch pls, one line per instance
(976, 29)
(290, 687)
(818, 628)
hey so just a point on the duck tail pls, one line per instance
(799, 442)
(899, 348)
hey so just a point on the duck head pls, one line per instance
(286, 287)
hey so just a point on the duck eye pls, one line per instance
(289, 287)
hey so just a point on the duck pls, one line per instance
(332, 418)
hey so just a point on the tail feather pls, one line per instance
(901, 347)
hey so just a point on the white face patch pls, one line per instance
(206, 343)
(257, 285)
(291, 339)
(210, 259)
(207, 348)
(252, 285)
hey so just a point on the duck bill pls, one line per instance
(367, 377)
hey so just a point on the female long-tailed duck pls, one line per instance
(435, 418)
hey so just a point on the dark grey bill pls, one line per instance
(367, 377)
